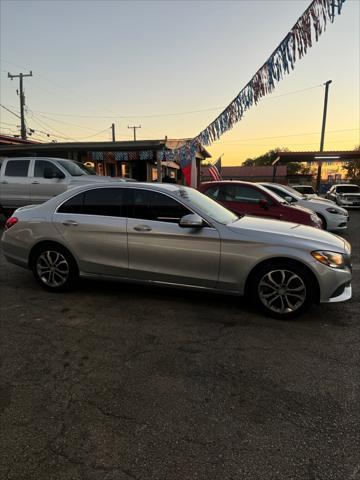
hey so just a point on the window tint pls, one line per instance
(40, 166)
(241, 193)
(17, 168)
(148, 205)
(213, 192)
(108, 202)
(73, 205)
(281, 193)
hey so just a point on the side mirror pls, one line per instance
(289, 199)
(193, 220)
(264, 204)
(50, 173)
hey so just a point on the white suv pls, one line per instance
(334, 218)
(33, 180)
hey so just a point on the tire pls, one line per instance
(324, 224)
(283, 290)
(54, 268)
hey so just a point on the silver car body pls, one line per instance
(336, 218)
(26, 187)
(219, 256)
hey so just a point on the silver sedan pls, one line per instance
(173, 235)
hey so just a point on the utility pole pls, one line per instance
(22, 100)
(318, 178)
(113, 131)
(134, 128)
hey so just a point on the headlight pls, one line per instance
(334, 210)
(331, 259)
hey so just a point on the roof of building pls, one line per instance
(7, 140)
(333, 155)
(32, 147)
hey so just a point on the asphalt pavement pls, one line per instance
(121, 382)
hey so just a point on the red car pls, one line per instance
(253, 199)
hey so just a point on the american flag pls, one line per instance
(215, 170)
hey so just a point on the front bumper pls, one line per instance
(342, 297)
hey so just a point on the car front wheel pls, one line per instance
(54, 268)
(283, 291)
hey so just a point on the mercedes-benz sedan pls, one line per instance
(173, 235)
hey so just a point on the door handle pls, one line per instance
(4, 181)
(142, 228)
(70, 223)
(35, 183)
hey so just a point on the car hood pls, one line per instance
(276, 232)
(316, 198)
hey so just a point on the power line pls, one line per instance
(3, 106)
(189, 112)
(65, 123)
(44, 125)
(239, 141)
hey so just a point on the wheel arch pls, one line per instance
(281, 261)
(48, 243)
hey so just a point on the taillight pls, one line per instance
(10, 222)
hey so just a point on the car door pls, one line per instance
(162, 251)
(15, 190)
(41, 188)
(249, 200)
(92, 225)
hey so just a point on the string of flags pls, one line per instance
(310, 25)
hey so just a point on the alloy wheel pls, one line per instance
(52, 268)
(282, 291)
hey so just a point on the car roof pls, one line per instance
(221, 182)
(170, 187)
(40, 158)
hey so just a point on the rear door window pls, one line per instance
(106, 202)
(17, 168)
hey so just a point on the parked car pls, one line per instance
(346, 195)
(307, 190)
(334, 218)
(30, 180)
(173, 235)
(253, 199)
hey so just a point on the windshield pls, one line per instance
(348, 189)
(210, 207)
(279, 195)
(306, 190)
(293, 192)
(76, 169)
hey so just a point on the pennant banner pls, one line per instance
(293, 47)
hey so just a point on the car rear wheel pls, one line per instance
(54, 268)
(283, 291)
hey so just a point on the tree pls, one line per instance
(352, 168)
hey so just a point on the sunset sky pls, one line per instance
(171, 67)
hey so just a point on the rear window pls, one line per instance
(106, 202)
(17, 168)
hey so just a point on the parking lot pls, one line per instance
(119, 382)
